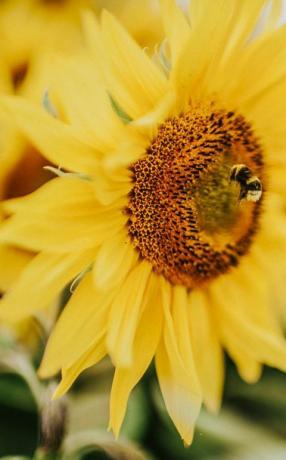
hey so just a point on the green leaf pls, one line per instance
(17, 361)
(14, 392)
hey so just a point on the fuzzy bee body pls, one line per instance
(250, 185)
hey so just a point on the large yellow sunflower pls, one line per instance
(160, 216)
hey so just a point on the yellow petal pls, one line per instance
(182, 405)
(248, 367)
(182, 331)
(132, 78)
(92, 38)
(88, 359)
(178, 385)
(61, 233)
(208, 353)
(129, 149)
(252, 91)
(13, 261)
(149, 123)
(53, 138)
(275, 15)
(197, 53)
(233, 20)
(42, 218)
(87, 104)
(261, 343)
(127, 152)
(255, 304)
(114, 260)
(176, 27)
(77, 198)
(81, 325)
(110, 188)
(125, 313)
(144, 348)
(227, 26)
(40, 283)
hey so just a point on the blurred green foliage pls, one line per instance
(250, 426)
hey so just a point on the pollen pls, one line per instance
(185, 214)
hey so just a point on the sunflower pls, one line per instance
(169, 212)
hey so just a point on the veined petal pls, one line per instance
(261, 343)
(40, 283)
(62, 234)
(81, 326)
(88, 359)
(128, 150)
(134, 81)
(182, 331)
(248, 367)
(268, 116)
(255, 303)
(182, 404)
(125, 313)
(109, 190)
(235, 21)
(208, 352)
(247, 89)
(179, 387)
(176, 27)
(56, 140)
(87, 103)
(145, 343)
(148, 124)
(245, 19)
(275, 15)
(121, 90)
(197, 53)
(114, 260)
(93, 38)
(77, 198)
(227, 26)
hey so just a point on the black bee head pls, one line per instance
(254, 184)
(240, 173)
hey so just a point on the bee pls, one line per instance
(250, 185)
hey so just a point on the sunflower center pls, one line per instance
(186, 212)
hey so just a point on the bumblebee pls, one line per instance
(250, 185)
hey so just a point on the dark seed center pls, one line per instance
(185, 213)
